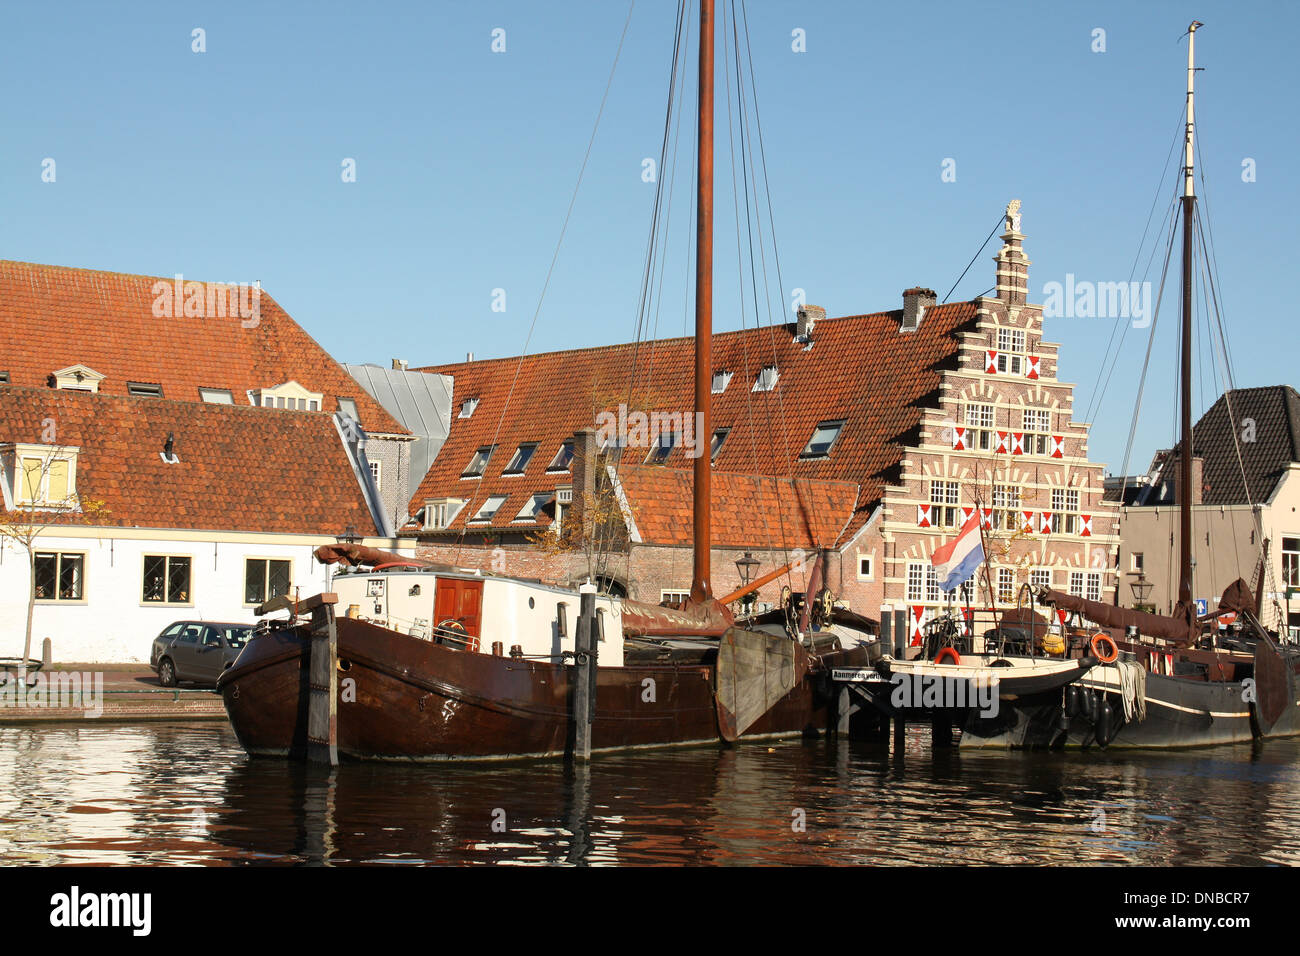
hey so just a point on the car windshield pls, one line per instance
(236, 636)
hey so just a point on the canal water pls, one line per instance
(186, 794)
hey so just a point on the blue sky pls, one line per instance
(226, 165)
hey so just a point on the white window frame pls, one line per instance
(445, 509)
(945, 496)
(1291, 562)
(1010, 349)
(767, 378)
(479, 517)
(869, 574)
(58, 575)
(377, 473)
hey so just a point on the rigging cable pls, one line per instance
(554, 258)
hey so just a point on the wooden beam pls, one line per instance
(284, 602)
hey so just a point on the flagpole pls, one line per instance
(988, 582)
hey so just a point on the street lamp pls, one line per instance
(746, 566)
(349, 536)
(1141, 591)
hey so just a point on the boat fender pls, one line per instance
(1090, 705)
(945, 653)
(1104, 714)
(1071, 701)
(1104, 649)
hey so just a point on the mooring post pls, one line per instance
(322, 706)
(900, 654)
(941, 730)
(584, 671)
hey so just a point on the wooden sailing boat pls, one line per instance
(488, 676)
(1188, 690)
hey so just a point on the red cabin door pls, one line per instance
(460, 602)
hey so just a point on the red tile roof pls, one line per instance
(54, 317)
(860, 369)
(240, 468)
(747, 510)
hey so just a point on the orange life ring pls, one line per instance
(1095, 646)
(945, 653)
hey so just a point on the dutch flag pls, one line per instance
(957, 560)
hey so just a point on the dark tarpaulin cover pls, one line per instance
(1178, 629)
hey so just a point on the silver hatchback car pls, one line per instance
(197, 651)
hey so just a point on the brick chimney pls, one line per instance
(1198, 479)
(583, 469)
(1013, 264)
(915, 301)
(809, 315)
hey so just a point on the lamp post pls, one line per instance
(746, 566)
(1141, 591)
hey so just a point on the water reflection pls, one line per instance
(185, 793)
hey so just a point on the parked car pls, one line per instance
(197, 651)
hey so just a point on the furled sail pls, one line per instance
(1182, 631)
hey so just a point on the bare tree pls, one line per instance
(35, 511)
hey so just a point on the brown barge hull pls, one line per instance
(403, 698)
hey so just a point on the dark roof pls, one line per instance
(1269, 415)
(860, 369)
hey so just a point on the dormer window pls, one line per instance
(522, 456)
(563, 458)
(40, 476)
(291, 396)
(478, 464)
(349, 408)
(144, 389)
(467, 407)
(766, 380)
(439, 513)
(721, 379)
(823, 440)
(78, 378)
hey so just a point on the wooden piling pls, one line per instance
(322, 672)
(322, 709)
(584, 673)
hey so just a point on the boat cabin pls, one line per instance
(463, 609)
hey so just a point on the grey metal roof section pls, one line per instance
(421, 401)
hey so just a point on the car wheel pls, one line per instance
(167, 672)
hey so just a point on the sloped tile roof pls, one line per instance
(860, 369)
(1217, 437)
(240, 469)
(53, 317)
(747, 510)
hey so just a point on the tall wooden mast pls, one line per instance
(1185, 492)
(701, 589)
